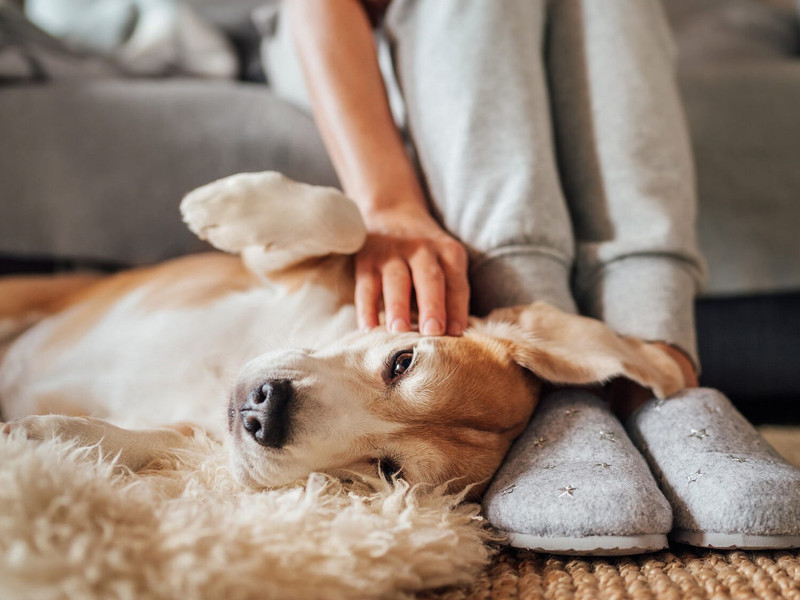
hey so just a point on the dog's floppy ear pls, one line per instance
(570, 349)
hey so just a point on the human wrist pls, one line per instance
(387, 211)
(386, 187)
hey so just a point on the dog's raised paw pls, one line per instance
(272, 212)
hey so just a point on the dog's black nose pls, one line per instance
(265, 412)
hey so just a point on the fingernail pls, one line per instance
(456, 329)
(432, 327)
(398, 326)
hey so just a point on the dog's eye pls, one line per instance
(388, 469)
(401, 363)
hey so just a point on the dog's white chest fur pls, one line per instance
(142, 367)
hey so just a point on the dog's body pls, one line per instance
(162, 344)
(165, 345)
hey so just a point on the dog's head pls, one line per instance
(427, 409)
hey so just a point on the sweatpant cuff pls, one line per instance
(647, 297)
(519, 276)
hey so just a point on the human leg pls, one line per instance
(628, 177)
(476, 97)
(475, 91)
(627, 167)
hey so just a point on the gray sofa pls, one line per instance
(739, 70)
(91, 172)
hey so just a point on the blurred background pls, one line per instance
(111, 110)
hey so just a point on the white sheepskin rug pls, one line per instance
(72, 526)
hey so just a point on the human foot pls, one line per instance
(574, 484)
(728, 488)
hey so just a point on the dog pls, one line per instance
(135, 362)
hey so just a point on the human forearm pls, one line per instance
(336, 48)
(406, 253)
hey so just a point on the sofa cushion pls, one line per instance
(734, 30)
(97, 170)
(745, 128)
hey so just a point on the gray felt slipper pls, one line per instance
(573, 483)
(727, 486)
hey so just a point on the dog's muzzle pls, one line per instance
(265, 412)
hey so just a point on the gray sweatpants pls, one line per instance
(552, 141)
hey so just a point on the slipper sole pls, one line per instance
(591, 545)
(741, 541)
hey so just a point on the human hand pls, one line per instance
(407, 249)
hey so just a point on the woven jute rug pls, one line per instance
(682, 573)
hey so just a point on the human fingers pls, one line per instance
(429, 286)
(453, 258)
(396, 283)
(367, 293)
